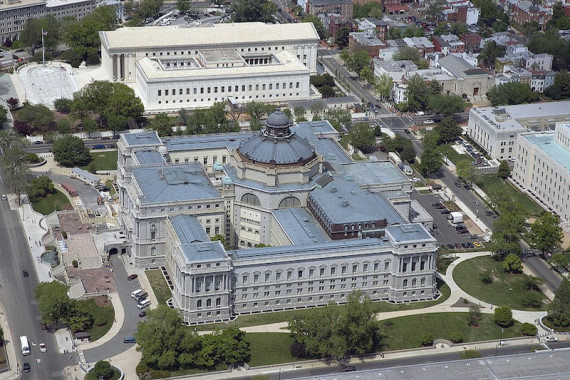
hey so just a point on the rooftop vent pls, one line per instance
(344, 203)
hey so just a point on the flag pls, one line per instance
(44, 33)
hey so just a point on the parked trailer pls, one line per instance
(455, 217)
(70, 189)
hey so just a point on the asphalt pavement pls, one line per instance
(17, 298)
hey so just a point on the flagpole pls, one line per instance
(43, 49)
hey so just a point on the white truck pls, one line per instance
(394, 158)
(455, 217)
(25, 345)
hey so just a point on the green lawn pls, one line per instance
(159, 285)
(452, 154)
(506, 289)
(285, 316)
(106, 313)
(109, 184)
(103, 160)
(50, 203)
(443, 263)
(270, 348)
(491, 184)
(406, 332)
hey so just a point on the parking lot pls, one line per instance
(445, 233)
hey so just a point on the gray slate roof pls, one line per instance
(408, 232)
(149, 157)
(141, 139)
(457, 66)
(345, 202)
(300, 226)
(174, 183)
(188, 229)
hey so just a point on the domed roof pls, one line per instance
(264, 149)
(278, 119)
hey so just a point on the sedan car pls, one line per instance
(463, 231)
(476, 244)
(43, 347)
(25, 273)
(436, 204)
(142, 314)
(348, 368)
(450, 246)
(457, 246)
(132, 277)
(428, 122)
(26, 367)
(551, 338)
(440, 207)
(446, 211)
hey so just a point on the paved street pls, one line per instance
(17, 298)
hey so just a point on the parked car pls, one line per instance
(551, 338)
(476, 244)
(407, 131)
(25, 273)
(436, 204)
(44, 326)
(142, 314)
(43, 347)
(463, 231)
(450, 246)
(457, 246)
(26, 367)
(472, 237)
(440, 207)
(446, 211)
(458, 184)
(347, 368)
(99, 146)
(470, 245)
(132, 277)
(465, 245)
(428, 122)
(4, 197)
(467, 187)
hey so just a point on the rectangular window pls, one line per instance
(166, 92)
(322, 272)
(300, 274)
(278, 276)
(159, 92)
(289, 275)
(244, 280)
(333, 271)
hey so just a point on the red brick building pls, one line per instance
(341, 7)
(526, 11)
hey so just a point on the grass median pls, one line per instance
(158, 284)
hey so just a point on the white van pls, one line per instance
(25, 345)
(136, 293)
(144, 303)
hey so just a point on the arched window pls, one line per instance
(405, 283)
(218, 301)
(152, 251)
(290, 202)
(208, 302)
(250, 199)
(152, 232)
(414, 282)
(423, 281)
(199, 304)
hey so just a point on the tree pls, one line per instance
(253, 10)
(503, 316)
(369, 9)
(474, 315)
(511, 93)
(332, 332)
(504, 170)
(512, 263)
(106, 98)
(406, 53)
(545, 233)
(446, 105)
(71, 151)
(338, 118)
(559, 20)
(434, 9)
(430, 162)
(417, 93)
(32, 34)
(448, 130)
(559, 310)
(89, 125)
(63, 105)
(160, 336)
(366, 74)
(37, 116)
(183, 5)
(551, 43)
(408, 153)
(560, 89)
(560, 261)
(466, 170)
(490, 52)
(458, 29)
(40, 187)
(53, 301)
(341, 38)
(383, 86)
(528, 329)
(116, 123)
(102, 370)
(362, 137)
(258, 110)
(3, 116)
(358, 60)
(318, 25)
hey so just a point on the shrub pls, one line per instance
(470, 354)
(32, 158)
(141, 369)
(528, 329)
(298, 350)
(512, 263)
(486, 277)
(427, 339)
(532, 300)
(75, 263)
(456, 337)
(503, 316)
(102, 370)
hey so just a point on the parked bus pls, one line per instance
(25, 345)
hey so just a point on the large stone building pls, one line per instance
(14, 13)
(195, 67)
(542, 168)
(495, 129)
(333, 225)
(341, 7)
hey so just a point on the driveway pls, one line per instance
(124, 287)
(87, 194)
